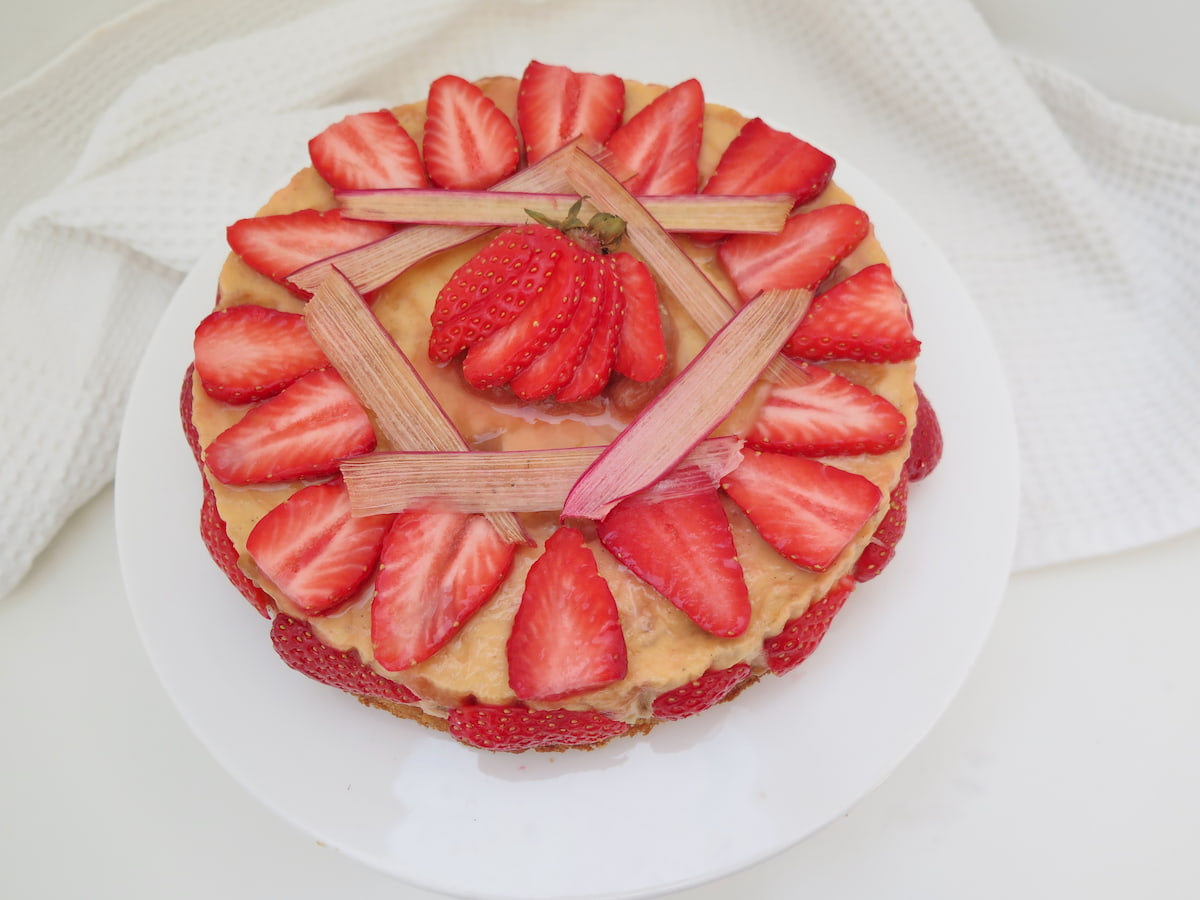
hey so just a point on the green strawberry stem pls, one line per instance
(601, 233)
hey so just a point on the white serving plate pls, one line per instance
(693, 801)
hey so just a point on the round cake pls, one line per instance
(544, 410)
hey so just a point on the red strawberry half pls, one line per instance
(641, 349)
(566, 635)
(801, 636)
(556, 105)
(865, 318)
(661, 142)
(806, 510)
(762, 160)
(927, 442)
(297, 646)
(802, 255)
(436, 570)
(225, 555)
(683, 548)
(882, 548)
(826, 416)
(276, 246)
(314, 550)
(250, 352)
(705, 692)
(515, 728)
(366, 151)
(304, 431)
(469, 144)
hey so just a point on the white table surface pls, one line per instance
(1065, 768)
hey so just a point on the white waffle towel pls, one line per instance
(1073, 221)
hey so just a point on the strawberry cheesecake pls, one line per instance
(547, 409)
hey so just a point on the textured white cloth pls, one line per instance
(1073, 221)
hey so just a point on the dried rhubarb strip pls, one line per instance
(691, 406)
(406, 413)
(749, 214)
(374, 265)
(514, 481)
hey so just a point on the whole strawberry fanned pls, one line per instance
(552, 311)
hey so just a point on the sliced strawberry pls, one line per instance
(641, 348)
(882, 548)
(556, 365)
(826, 416)
(497, 358)
(926, 451)
(762, 160)
(304, 431)
(489, 289)
(704, 693)
(683, 548)
(802, 255)
(865, 318)
(250, 352)
(225, 555)
(566, 635)
(366, 151)
(437, 569)
(297, 646)
(661, 142)
(276, 246)
(314, 550)
(190, 434)
(515, 728)
(469, 144)
(806, 510)
(556, 105)
(596, 366)
(801, 636)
